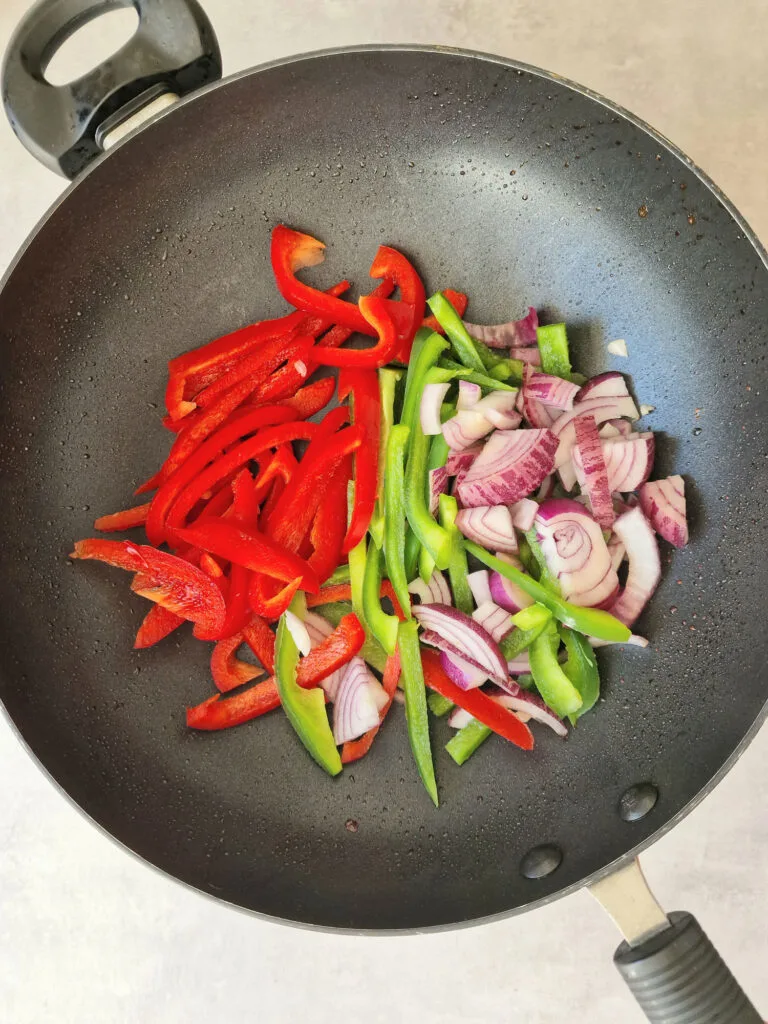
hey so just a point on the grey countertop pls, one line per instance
(89, 934)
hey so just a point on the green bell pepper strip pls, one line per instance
(382, 625)
(544, 576)
(555, 688)
(466, 741)
(553, 346)
(394, 522)
(525, 680)
(412, 550)
(526, 556)
(438, 704)
(426, 565)
(371, 651)
(357, 561)
(416, 704)
(457, 567)
(475, 377)
(591, 621)
(530, 623)
(339, 575)
(424, 355)
(497, 366)
(581, 669)
(463, 345)
(305, 708)
(438, 456)
(388, 379)
(437, 540)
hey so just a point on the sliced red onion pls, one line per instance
(616, 428)
(495, 619)
(634, 530)
(628, 461)
(469, 395)
(526, 355)
(567, 475)
(466, 427)
(460, 671)
(360, 699)
(531, 704)
(506, 593)
(538, 414)
(298, 631)
(490, 526)
(511, 465)
(438, 484)
(547, 488)
(576, 553)
(550, 390)
(436, 591)
(523, 513)
(499, 408)
(466, 636)
(480, 585)
(663, 504)
(463, 459)
(605, 398)
(591, 471)
(617, 551)
(516, 332)
(318, 629)
(458, 718)
(429, 410)
(518, 665)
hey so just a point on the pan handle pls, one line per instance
(669, 964)
(174, 50)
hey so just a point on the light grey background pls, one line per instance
(88, 934)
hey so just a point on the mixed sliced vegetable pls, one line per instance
(458, 534)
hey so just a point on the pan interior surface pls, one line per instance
(517, 189)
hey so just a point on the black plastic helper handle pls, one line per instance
(174, 49)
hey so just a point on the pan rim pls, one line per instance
(626, 115)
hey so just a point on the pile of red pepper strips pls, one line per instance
(249, 525)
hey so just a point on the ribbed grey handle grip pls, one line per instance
(678, 977)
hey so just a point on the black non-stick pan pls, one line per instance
(498, 179)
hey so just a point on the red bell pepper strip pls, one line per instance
(166, 579)
(261, 640)
(250, 548)
(255, 446)
(217, 713)
(339, 334)
(343, 592)
(257, 367)
(245, 502)
(267, 603)
(210, 566)
(377, 314)
(219, 504)
(125, 520)
(366, 412)
(208, 452)
(392, 265)
(477, 703)
(459, 302)
(157, 624)
(229, 671)
(330, 524)
(260, 367)
(291, 251)
(312, 398)
(290, 520)
(338, 648)
(281, 466)
(353, 750)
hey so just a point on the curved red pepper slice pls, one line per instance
(338, 648)
(366, 412)
(391, 264)
(251, 549)
(157, 624)
(125, 520)
(477, 703)
(166, 579)
(312, 398)
(377, 313)
(217, 713)
(353, 750)
(261, 640)
(330, 524)
(227, 669)
(267, 603)
(207, 452)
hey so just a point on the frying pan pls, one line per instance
(496, 178)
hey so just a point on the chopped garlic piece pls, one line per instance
(618, 348)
